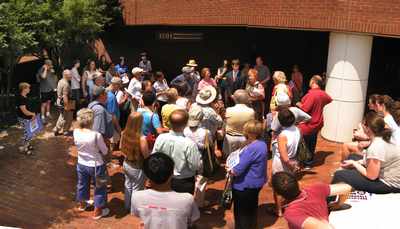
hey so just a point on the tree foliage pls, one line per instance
(31, 26)
(57, 26)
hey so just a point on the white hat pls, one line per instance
(137, 70)
(206, 95)
(282, 99)
(187, 69)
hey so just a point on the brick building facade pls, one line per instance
(347, 39)
(378, 17)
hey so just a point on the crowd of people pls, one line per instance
(175, 135)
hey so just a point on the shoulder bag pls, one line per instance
(101, 180)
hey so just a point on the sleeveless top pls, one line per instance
(293, 138)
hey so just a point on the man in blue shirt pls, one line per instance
(190, 81)
(112, 104)
(121, 68)
(151, 120)
(102, 120)
(113, 108)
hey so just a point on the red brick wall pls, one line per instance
(365, 16)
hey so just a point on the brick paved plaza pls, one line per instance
(39, 191)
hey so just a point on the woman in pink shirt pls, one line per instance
(207, 80)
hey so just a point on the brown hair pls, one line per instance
(396, 112)
(130, 138)
(376, 124)
(387, 101)
(319, 81)
(254, 127)
(374, 98)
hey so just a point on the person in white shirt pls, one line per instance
(161, 87)
(135, 87)
(284, 148)
(76, 81)
(160, 206)
(144, 63)
(91, 148)
(384, 105)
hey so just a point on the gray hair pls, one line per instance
(85, 118)
(241, 96)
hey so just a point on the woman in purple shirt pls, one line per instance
(249, 176)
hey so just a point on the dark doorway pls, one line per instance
(280, 48)
(384, 75)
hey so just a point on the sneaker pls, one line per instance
(104, 212)
(48, 115)
(43, 118)
(307, 168)
(29, 152)
(82, 206)
(22, 149)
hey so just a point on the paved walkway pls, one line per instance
(39, 191)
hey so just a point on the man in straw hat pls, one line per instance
(193, 65)
(186, 78)
(212, 121)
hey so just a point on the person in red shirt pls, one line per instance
(313, 103)
(307, 208)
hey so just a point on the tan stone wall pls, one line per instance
(365, 16)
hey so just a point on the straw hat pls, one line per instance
(206, 96)
(191, 63)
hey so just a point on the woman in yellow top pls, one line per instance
(167, 109)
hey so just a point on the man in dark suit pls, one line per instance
(234, 81)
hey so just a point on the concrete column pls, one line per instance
(347, 80)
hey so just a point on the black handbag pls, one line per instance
(303, 154)
(101, 180)
(227, 197)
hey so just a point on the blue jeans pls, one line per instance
(134, 181)
(85, 174)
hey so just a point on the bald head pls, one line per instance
(178, 120)
(241, 96)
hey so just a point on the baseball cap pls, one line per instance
(282, 99)
(97, 91)
(195, 116)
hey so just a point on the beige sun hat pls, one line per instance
(192, 63)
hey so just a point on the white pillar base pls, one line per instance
(347, 71)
